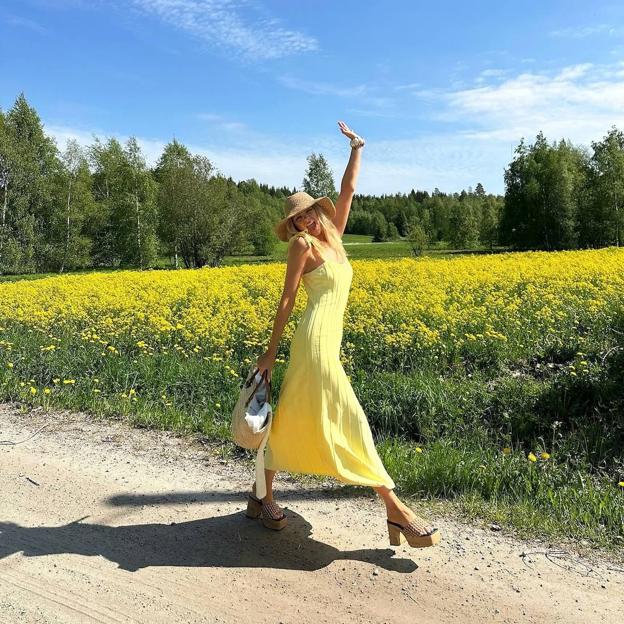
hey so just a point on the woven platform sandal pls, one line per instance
(415, 533)
(272, 516)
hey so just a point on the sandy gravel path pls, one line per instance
(103, 523)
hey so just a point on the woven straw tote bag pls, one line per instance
(241, 431)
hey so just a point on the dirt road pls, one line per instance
(103, 523)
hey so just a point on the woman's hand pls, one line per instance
(266, 362)
(346, 130)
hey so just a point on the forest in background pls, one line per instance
(101, 205)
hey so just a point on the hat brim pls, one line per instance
(326, 204)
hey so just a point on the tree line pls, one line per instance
(102, 206)
(560, 196)
(464, 220)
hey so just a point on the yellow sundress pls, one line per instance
(319, 426)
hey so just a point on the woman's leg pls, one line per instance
(268, 477)
(394, 505)
(396, 510)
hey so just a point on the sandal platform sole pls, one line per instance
(397, 537)
(254, 510)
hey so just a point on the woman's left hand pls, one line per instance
(346, 130)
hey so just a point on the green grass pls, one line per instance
(544, 498)
(460, 424)
(361, 247)
(358, 246)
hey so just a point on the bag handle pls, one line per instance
(249, 381)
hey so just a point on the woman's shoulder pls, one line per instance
(307, 237)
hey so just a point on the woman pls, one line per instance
(318, 425)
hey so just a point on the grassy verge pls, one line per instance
(517, 448)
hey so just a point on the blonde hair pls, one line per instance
(327, 226)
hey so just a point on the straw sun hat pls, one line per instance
(297, 203)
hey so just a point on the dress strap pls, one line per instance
(311, 240)
(303, 235)
(307, 237)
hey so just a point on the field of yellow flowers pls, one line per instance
(435, 349)
(399, 312)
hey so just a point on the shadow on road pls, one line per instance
(231, 540)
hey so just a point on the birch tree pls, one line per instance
(140, 213)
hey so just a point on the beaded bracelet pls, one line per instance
(357, 142)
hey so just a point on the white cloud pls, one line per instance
(268, 160)
(222, 122)
(487, 74)
(368, 103)
(24, 22)
(151, 148)
(573, 72)
(322, 88)
(368, 112)
(61, 134)
(448, 162)
(579, 102)
(581, 32)
(221, 23)
(410, 86)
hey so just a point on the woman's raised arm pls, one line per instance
(349, 179)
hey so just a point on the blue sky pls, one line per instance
(442, 91)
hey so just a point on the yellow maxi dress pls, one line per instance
(319, 426)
